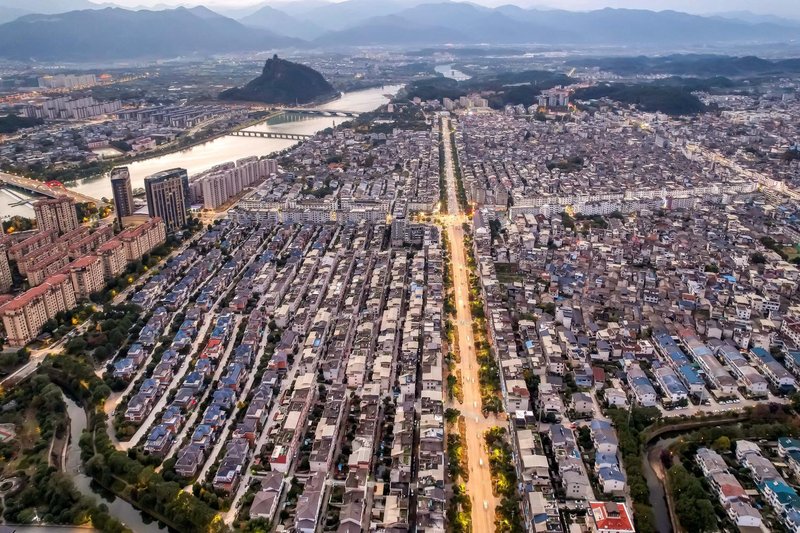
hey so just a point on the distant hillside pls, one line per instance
(13, 9)
(465, 23)
(283, 82)
(113, 33)
(692, 65)
(503, 88)
(89, 32)
(648, 97)
(275, 20)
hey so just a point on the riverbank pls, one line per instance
(229, 148)
(658, 485)
(102, 167)
(655, 440)
(661, 438)
(119, 507)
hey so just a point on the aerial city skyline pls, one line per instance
(399, 267)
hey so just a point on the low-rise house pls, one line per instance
(616, 398)
(214, 416)
(189, 460)
(159, 440)
(780, 495)
(310, 503)
(605, 460)
(582, 404)
(138, 408)
(611, 517)
(604, 437)
(233, 464)
(744, 514)
(203, 436)
(611, 479)
(265, 501)
(788, 444)
(125, 368)
(642, 389)
(225, 398)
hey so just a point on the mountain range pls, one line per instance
(114, 33)
(94, 32)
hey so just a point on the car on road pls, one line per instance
(485, 504)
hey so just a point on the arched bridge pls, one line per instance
(38, 187)
(270, 135)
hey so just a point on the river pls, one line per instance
(224, 149)
(449, 72)
(117, 507)
(14, 202)
(658, 499)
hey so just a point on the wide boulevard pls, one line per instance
(479, 488)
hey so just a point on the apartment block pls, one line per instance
(87, 275)
(143, 238)
(114, 257)
(56, 214)
(24, 316)
(122, 192)
(5, 270)
(168, 197)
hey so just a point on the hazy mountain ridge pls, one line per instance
(272, 19)
(512, 24)
(692, 65)
(114, 33)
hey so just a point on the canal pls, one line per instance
(117, 507)
(658, 499)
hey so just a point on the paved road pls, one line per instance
(221, 366)
(480, 481)
(230, 515)
(277, 401)
(39, 187)
(177, 378)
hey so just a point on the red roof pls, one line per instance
(136, 232)
(83, 262)
(25, 298)
(611, 516)
(109, 245)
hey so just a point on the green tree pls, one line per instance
(722, 444)
(451, 415)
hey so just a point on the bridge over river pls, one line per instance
(270, 135)
(41, 188)
(319, 112)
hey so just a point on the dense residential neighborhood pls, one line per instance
(572, 316)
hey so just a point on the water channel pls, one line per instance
(123, 511)
(658, 499)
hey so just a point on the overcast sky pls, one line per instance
(786, 8)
